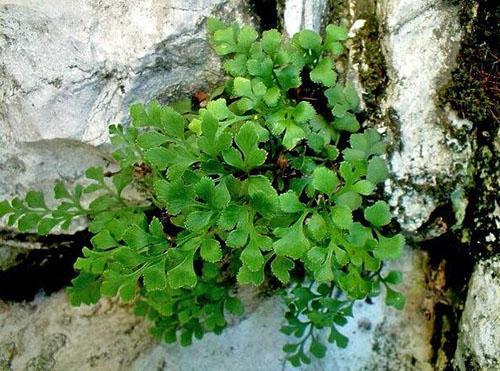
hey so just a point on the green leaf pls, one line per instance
(280, 266)
(252, 258)
(35, 200)
(95, 173)
(364, 145)
(377, 171)
(323, 73)
(216, 197)
(303, 112)
(85, 289)
(271, 41)
(289, 77)
(309, 39)
(5, 208)
(336, 337)
(394, 299)
(211, 250)
(236, 66)
(218, 109)
(28, 222)
(46, 225)
(103, 240)
(136, 237)
(242, 87)
(324, 180)
(151, 139)
(292, 242)
(316, 226)
(251, 156)
(246, 37)
(234, 306)
(378, 214)
(347, 123)
(183, 275)
(159, 157)
(289, 203)
(122, 179)
(317, 349)
(335, 33)
(389, 247)
(246, 276)
(212, 142)
(223, 41)
(128, 257)
(342, 216)
(272, 96)
(175, 195)
(394, 277)
(198, 220)
(60, 191)
(363, 187)
(172, 123)
(155, 277)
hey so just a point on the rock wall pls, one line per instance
(68, 68)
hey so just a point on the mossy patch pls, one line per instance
(474, 93)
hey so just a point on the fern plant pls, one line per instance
(268, 180)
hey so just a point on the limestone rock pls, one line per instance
(70, 68)
(303, 14)
(379, 337)
(48, 334)
(479, 338)
(421, 44)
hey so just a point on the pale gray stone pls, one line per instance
(421, 43)
(70, 68)
(478, 345)
(303, 14)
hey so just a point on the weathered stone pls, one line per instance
(478, 346)
(421, 44)
(379, 337)
(48, 334)
(69, 69)
(303, 14)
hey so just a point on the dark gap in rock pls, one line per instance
(44, 270)
(451, 263)
(267, 12)
(474, 93)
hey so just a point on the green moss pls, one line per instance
(474, 93)
(369, 57)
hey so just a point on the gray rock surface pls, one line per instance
(380, 338)
(70, 68)
(421, 44)
(108, 337)
(478, 346)
(303, 14)
(48, 334)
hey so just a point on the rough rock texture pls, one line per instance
(69, 68)
(108, 337)
(381, 338)
(91, 59)
(478, 346)
(48, 334)
(421, 43)
(303, 14)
